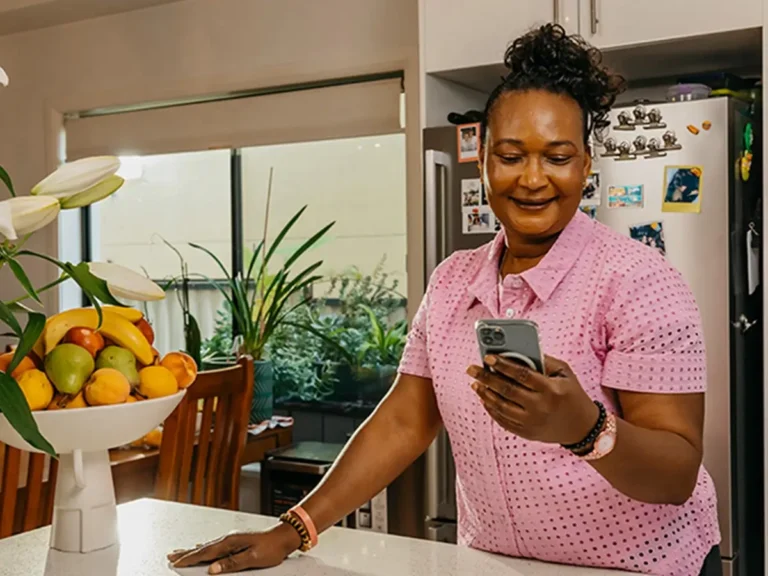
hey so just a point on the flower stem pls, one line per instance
(48, 286)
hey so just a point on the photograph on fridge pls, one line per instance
(650, 234)
(682, 188)
(625, 196)
(478, 220)
(472, 193)
(590, 211)
(590, 196)
(468, 136)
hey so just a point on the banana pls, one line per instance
(114, 326)
(125, 334)
(130, 314)
(57, 326)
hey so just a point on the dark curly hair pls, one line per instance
(548, 59)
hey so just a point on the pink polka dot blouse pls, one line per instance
(624, 319)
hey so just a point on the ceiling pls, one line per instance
(23, 15)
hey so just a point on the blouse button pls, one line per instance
(510, 313)
(516, 282)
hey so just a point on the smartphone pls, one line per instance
(510, 338)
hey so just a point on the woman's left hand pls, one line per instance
(551, 408)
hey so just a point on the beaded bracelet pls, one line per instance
(589, 440)
(294, 521)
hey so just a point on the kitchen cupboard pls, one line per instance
(618, 23)
(463, 34)
(458, 34)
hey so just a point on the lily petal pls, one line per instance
(124, 283)
(78, 176)
(30, 213)
(6, 221)
(3, 78)
(94, 194)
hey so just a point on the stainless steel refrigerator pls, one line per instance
(452, 197)
(684, 178)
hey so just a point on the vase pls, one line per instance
(263, 403)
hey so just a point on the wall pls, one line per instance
(198, 47)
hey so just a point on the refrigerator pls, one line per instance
(686, 179)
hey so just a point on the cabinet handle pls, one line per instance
(556, 11)
(594, 20)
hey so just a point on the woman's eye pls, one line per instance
(559, 159)
(510, 159)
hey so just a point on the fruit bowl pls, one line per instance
(84, 515)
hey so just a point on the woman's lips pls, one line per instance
(532, 205)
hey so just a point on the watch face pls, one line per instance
(605, 443)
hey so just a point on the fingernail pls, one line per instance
(214, 569)
(472, 371)
(490, 360)
(474, 386)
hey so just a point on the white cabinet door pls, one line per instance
(613, 23)
(468, 33)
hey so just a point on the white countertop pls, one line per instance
(149, 529)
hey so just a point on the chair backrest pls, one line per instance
(201, 449)
(26, 498)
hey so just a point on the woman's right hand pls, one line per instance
(241, 551)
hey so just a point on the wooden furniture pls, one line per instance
(134, 470)
(212, 477)
(26, 500)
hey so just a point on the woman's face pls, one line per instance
(534, 162)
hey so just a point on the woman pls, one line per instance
(596, 463)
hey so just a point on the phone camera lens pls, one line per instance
(487, 339)
(498, 336)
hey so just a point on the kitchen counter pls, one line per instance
(149, 529)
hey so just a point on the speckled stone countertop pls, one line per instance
(150, 528)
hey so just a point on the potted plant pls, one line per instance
(261, 301)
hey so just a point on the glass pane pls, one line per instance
(181, 198)
(360, 184)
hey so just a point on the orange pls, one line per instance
(182, 366)
(24, 365)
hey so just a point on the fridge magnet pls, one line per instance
(706, 125)
(655, 149)
(625, 151)
(610, 147)
(745, 159)
(682, 189)
(590, 211)
(692, 129)
(477, 220)
(471, 194)
(670, 141)
(624, 121)
(654, 120)
(468, 141)
(625, 197)
(590, 196)
(651, 234)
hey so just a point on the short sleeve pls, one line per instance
(415, 360)
(654, 335)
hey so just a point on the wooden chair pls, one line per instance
(31, 505)
(207, 471)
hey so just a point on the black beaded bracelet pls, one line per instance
(593, 434)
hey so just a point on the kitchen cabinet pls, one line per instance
(619, 23)
(462, 34)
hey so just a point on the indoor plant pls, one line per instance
(261, 301)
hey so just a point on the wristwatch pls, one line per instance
(605, 441)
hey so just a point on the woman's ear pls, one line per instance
(587, 162)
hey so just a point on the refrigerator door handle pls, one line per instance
(441, 479)
(435, 206)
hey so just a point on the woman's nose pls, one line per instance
(533, 176)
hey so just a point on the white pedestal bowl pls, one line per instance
(84, 513)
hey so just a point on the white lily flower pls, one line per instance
(3, 78)
(94, 194)
(24, 214)
(78, 176)
(124, 283)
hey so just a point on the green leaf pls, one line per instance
(29, 336)
(8, 318)
(283, 234)
(15, 408)
(90, 284)
(193, 340)
(23, 279)
(215, 258)
(307, 245)
(6, 178)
